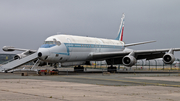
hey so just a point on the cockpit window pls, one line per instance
(49, 42)
(52, 42)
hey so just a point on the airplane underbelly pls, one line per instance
(78, 56)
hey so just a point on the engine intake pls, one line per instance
(168, 58)
(129, 61)
(8, 48)
(19, 56)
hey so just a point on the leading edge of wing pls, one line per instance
(138, 43)
(108, 55)
(9, 48)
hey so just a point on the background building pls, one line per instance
(5, 57)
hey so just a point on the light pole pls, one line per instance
(118, 66)
(179, 64)
(142, 63)
(149, 64)
(163, 65)
(156, 64)
(95, 64)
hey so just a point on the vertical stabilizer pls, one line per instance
(121, 29)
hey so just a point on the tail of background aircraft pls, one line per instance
(121, 29)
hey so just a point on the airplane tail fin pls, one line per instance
(121, 29)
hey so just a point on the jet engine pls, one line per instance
(19, 56)
(129, 60)
(168, 58)
(22, 55)
(8, 48)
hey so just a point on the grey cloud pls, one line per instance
(27, 23)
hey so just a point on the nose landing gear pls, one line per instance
(55, 67)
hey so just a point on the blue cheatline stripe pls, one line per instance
(68, 45)
(81, 46)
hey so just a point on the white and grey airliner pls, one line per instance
(70, 50)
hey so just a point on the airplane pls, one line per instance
(70, 50)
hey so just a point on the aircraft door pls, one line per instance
(100, 48)
(100, 45)
(70, 46)
(96, 47)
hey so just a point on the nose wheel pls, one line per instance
(55, 67)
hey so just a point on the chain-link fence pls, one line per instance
(157, 64)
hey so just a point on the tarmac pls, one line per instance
(90, 86)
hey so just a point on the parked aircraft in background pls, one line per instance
(70, 50)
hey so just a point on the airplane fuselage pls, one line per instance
(69, 48)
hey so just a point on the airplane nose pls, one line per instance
(43, 53)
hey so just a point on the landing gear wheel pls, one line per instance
(5, 71)
(112, 69)
(55, 70)
(79, 69)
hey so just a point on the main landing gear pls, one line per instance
(79, 69)
(112, 69)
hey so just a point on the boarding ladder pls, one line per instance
(17, 63)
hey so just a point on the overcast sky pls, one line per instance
(27, 23)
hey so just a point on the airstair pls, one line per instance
(17, 63)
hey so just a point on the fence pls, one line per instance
(140, 65)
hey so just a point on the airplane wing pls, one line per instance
(139, 43)
(9, 49)
(138, 54)
(105, 55)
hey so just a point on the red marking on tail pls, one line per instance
(121, 39)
